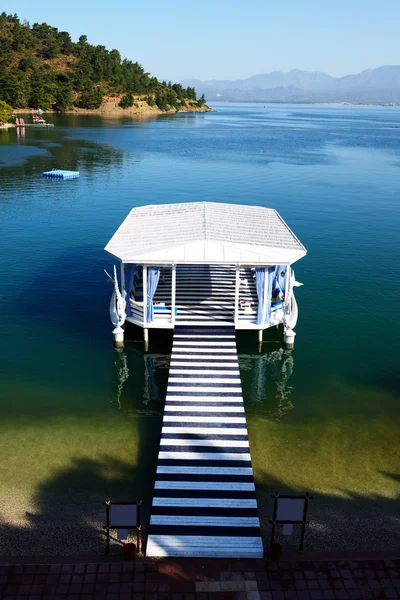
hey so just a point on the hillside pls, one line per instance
(372, 86)
(42, 67)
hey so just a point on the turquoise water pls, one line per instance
(79, 418)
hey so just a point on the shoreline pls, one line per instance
(113, 109)
(77, 528)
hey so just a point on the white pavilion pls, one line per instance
(204, 263)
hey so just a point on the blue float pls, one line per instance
(60, 174)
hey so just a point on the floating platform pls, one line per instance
(204, 501)
(60, 174)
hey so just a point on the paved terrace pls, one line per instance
(202, 579)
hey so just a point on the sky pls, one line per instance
(231, 39)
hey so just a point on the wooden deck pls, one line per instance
(204, 497)
(206, 293)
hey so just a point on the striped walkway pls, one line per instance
(204, 498)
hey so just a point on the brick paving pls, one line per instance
(203, 579)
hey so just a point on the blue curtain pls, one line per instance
(153, 275)
(138, 284)
(280, 280)
(260, 279)
(129, 271)
(270, 281)
(260, 276)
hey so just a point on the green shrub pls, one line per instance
(6, 112)
(127, 100)
(92, 98)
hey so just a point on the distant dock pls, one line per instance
(38, 125)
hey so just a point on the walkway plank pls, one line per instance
(204, 497)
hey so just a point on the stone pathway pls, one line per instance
(198, 579)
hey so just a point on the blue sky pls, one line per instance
(229, 39)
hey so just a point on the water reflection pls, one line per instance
(141, 381)
(265, 380)
(151, 391)
(46, 149)
(21, 133)
(121, 365)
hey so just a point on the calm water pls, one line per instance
(80, 421)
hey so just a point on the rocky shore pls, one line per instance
(111, 108)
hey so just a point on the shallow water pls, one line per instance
(80, 421)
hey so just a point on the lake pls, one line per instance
(80, 421)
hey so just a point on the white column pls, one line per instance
(173, 294)
(144, 295)
(237, 284)
(288, 292)
(264, 308)
(288, 334)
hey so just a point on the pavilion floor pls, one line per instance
(205, 295)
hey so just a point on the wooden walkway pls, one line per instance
(204, 497)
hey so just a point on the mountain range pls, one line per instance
(372, 86)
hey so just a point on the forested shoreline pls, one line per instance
(42, 67)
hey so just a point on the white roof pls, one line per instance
(205, 232)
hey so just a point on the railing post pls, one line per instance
(237, 283)
(173, 294)
(264, 308)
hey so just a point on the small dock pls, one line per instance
(204, 496)
(36, 125)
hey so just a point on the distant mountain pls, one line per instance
(376, 86)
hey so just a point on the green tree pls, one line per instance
(201, 101)
(6, 112)
(63, 97)
(65, 42)
(191, 93)
(14, 89)
(42, 89)
(26, 64)
(92, 98)
(127, 100)
(161, 100)
(13, 18)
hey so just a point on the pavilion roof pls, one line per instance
(205, 232)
